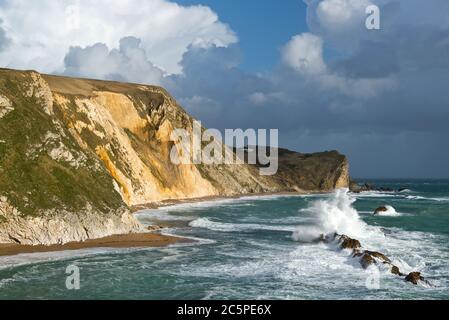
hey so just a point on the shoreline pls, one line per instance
(137, 240)
(134, 240)
(173, 202)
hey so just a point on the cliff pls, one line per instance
(76, 154)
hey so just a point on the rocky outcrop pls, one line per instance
(366, 187)
(416, 278)
(380, 210)
(347, 243)
(61, 227)
(324, 171)
(368, 258)
(75, 154)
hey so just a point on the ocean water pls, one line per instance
(260, 248)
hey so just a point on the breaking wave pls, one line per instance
(335, 214)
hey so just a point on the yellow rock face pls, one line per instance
(133, 143)
(129, 127)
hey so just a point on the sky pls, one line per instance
(309, 68)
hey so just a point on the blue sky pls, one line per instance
(263, 27)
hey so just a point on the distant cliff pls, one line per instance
(75, 154)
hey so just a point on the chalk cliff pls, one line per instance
(76, 154)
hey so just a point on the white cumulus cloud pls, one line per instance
(42, 32)
(129, 63)
(341, 15)
(304, 53)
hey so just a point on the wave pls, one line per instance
(377, 194)
(439, 199)
(335, 214)
(161, 215)
(206, 223)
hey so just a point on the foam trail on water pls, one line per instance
(335, 214)
(206, 223)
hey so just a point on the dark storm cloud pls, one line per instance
(400, 131)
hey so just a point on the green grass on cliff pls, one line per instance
(29, 177)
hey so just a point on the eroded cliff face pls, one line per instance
(75, 154)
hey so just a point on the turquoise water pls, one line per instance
(257, 248)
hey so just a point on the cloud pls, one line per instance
(378, 96)
(4, 40)
(43, 31)
(304, 53)
(129, 63)
(341, 15)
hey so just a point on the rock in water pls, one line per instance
(395, 270)
(154, 228)
(380, 256)
(348, 243)
(367, 260)
(380, 210)
(415, 278)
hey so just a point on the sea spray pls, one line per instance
(335, 214)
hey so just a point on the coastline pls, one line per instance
(173, 202)
(137, 240)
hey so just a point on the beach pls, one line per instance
(140, 240)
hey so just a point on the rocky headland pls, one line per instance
(76, 155)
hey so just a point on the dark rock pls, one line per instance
(367, 260)
(369, 187)
(327, 238)
(354, 187)
(415, 278)
(348, 243)
(380, 209)
(395, 270)
(154, 228)
(380, 256)
(357, 188)
(370, 257)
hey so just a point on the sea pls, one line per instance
(260, 247)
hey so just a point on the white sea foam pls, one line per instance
(206, 223)
(439, 199)
(376, 194)
(40, 257)
(335, 214)
(146, 216)
(410, 251)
